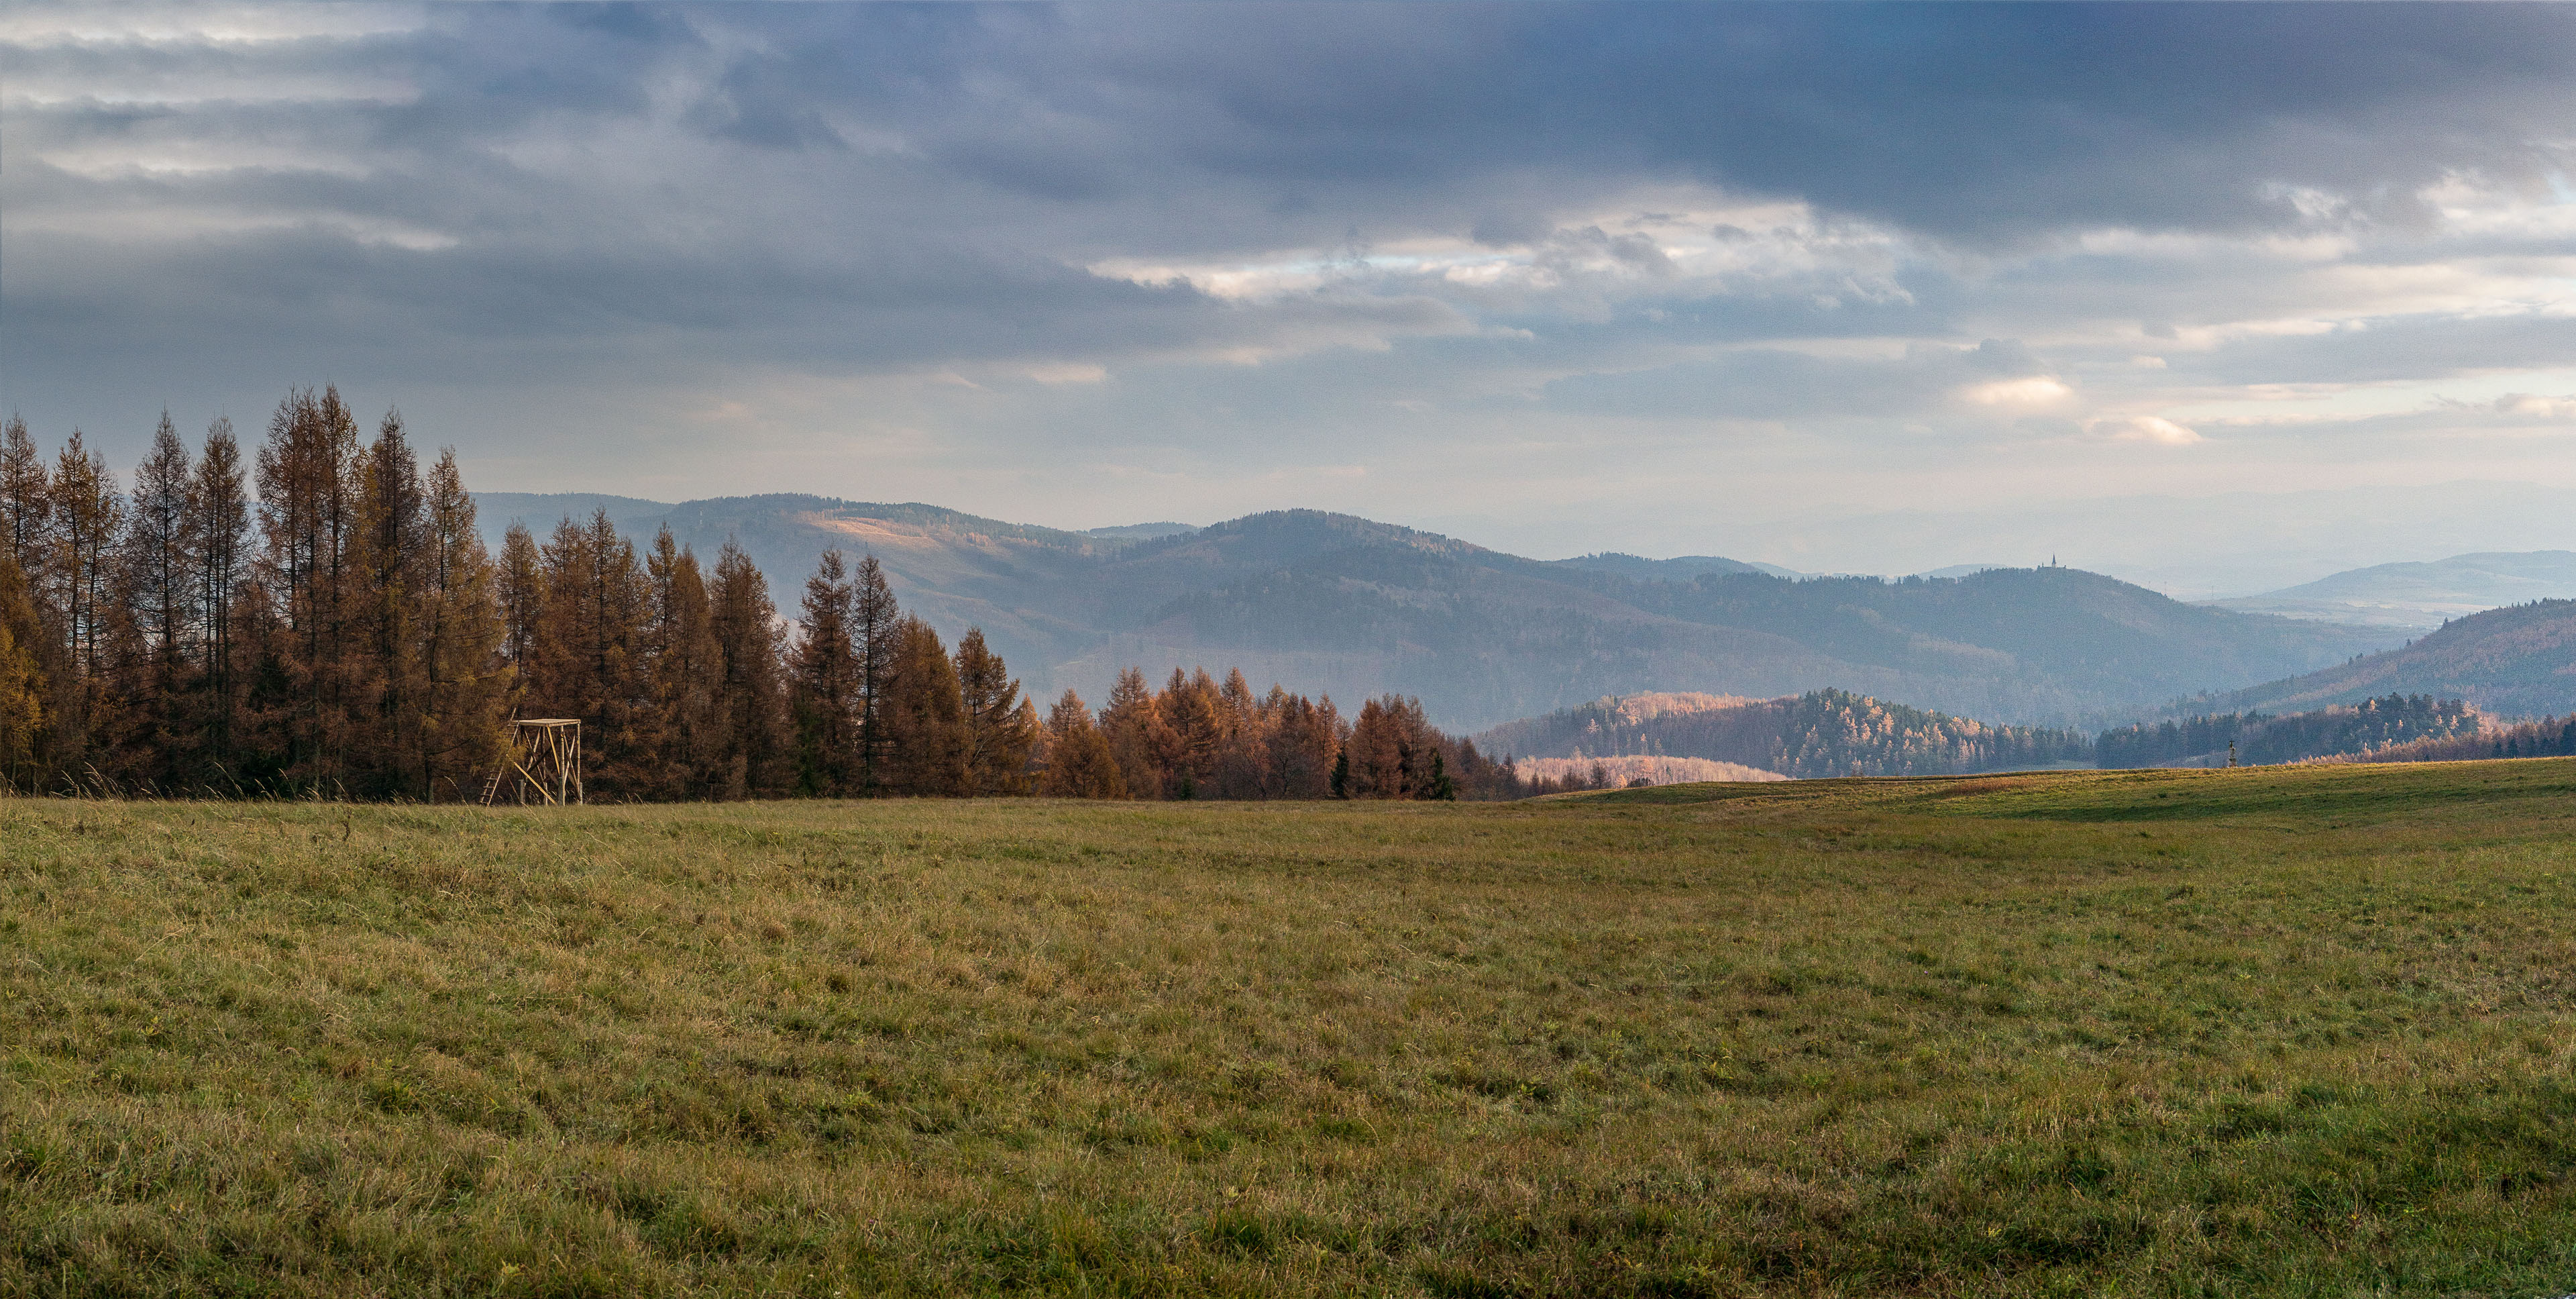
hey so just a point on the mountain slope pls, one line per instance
(2423, 595)
(1339, 604)
(2513, 662)
(1679, 569)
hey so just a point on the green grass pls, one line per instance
(2265, 1032)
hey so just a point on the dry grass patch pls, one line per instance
(2073, 1034)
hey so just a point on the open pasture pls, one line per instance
(2263, 1032)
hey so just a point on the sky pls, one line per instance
(1841, 286)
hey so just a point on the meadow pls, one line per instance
(2282, 1031)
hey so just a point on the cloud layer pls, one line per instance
(1535, 265)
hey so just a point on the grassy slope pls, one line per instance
(2281, 1031)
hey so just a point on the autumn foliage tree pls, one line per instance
(321, 618)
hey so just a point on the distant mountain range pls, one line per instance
(2422, 596)
(1327, 602)
(2512, 662)
(1680, 569)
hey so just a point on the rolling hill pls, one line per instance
(1352, 607)
(1821, 733)
(2422, 596)
(2513, 662)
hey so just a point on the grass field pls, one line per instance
(2262, 1032)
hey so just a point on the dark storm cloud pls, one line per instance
(574, 196)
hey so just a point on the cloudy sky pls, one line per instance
(1654, 277)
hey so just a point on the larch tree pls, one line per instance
(750, 699)
(1079, 764)
(1137, 734)
(463, 685)
(22, 682)
(87, 518)
(24, 500)
(387, 552)
(308, 521)
(925, 718)
(591, 660)
(826, 685)
(688, 673)
(218, 530)
(1189, 710)
(877, 637)
(156, 585)
(519, 583)
(1000, 733)
(1304, 740)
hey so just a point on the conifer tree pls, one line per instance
(519, 582)
(877, 636)
(687, 673)
(1000, 733)
(388, 549)
(1240, 765)
(22, 683)
(1304, 740)
(590, 653)
(744, 625)
(463, 685)
(218, 529)
(925, 718)
(1079, 764)
(1391, 750)
(87, 517)
(24, 501)
(308, 521)
(1189, 709)
(1137, 735)
(826, 685)
(156, 585)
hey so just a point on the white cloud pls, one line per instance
(2153, 429)
(2036, 390)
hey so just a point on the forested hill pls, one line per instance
(2512, 662)
(1333, 603)
(1821, 733)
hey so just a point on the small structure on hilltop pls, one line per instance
(545, 760)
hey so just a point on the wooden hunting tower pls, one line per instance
(545, 760)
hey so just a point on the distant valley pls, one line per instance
(1334, 603)
(2422, 596)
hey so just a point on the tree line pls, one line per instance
(319, 616)
(2263, 739)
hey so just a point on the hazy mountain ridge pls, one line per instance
(2422, 595)
(2512, 662)
(1680, 568)
(1340, 604)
